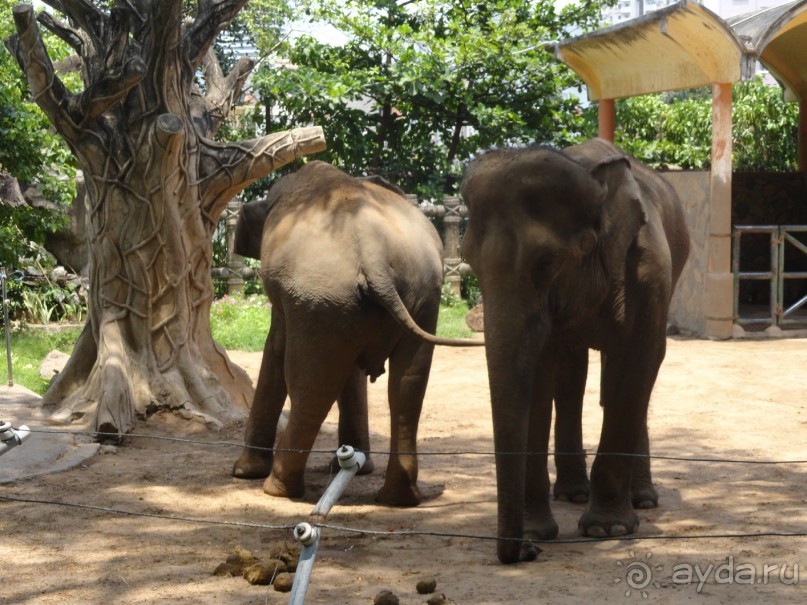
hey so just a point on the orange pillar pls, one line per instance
(606, 119)
(802, 159)
(719, 303)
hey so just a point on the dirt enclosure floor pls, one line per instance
(726, 400)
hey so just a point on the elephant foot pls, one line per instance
(597, 524)
(366, 468)
(404, 496)
(283, 489)
(544, 530)
(253, 464)
(514, 551)
(645, 496)
(572, 490)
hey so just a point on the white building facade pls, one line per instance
(624, 10)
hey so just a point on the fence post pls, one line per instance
(235, 263)
(6, 327)
(451, 243)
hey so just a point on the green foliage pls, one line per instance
(29, 348)
(765, 128)
(451, 322)
(419, 88)
(665, 134)
(471, 292)
(241, 322)
(37, 299)
(674, 130)
(32, 153)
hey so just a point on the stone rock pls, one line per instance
(475, 319)
(59, 275)
(53, 363)
(427, 586)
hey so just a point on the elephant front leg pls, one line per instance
(539, 524)
(521, 426)
(270, 395)
(643, 492)
(572, 482)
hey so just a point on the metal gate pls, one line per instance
(787, 252)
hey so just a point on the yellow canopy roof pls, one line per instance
(778, 38)
(685, 45)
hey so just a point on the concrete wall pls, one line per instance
(687, 311)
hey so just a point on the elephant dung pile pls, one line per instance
(277, 569)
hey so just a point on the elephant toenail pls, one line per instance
(619, 530)
(595, 531)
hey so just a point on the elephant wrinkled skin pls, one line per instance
(354, 273)
(573, 250)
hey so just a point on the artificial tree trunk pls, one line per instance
(156, 185)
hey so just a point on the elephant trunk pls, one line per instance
(512, 348)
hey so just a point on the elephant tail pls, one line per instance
(392, 302)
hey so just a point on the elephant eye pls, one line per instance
(544, 268)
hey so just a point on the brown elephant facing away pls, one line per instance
(573, 250)
(354, 273)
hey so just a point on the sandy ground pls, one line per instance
(730, 400)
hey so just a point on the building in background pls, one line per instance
(624, 10)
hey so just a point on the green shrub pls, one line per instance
(241, 322)
(451, 321)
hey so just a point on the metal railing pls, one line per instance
(782, 238)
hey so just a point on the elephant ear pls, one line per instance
(249, 229)
(623, 211)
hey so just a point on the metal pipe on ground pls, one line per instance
(10, 437)
(350, 462)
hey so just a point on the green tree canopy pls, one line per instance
(31, 153)
(420, 86)
(675, 129)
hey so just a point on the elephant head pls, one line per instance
(548, 239)
(548, 233)
(249, 228)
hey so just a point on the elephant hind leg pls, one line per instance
(354, 429)
(316, 372)
(256, 458)
(410, 364)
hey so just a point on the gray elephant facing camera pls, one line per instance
(573, 250)
(354, 274)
